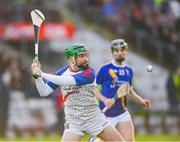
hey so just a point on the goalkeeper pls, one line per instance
(77, 82)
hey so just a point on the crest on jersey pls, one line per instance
(121, 72)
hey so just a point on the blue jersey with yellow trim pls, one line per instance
(112, 78)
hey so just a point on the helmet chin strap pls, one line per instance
(73, 64)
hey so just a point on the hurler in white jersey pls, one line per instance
(77, 82)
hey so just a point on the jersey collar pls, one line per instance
(117, 65)
(71, 70)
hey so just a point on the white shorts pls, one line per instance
(93, 127)
(120, 118)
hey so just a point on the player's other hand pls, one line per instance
(146, 103)
(109, 102)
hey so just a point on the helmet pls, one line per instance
(75, 49)
(118, 43)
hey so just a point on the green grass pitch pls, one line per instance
(162, 137)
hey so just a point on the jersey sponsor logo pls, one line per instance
(117, 83)
(69, 93)
(68, 90)
(113, 84)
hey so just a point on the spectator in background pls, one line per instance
(175, 8)
(13, 77)
(4, 102)
(20, 77)
(110, 14)
(1, 62)
(5, 83)
(173, 89)
(110, 11)
(115, 15)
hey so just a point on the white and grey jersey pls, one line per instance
(80, 105)
(80, 102)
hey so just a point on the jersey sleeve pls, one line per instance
(85, 77)
(100, 76)
(59, 72)
(131, 79)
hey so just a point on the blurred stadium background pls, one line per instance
(152, 29)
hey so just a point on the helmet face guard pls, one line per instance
(73, 51)
(118, 44)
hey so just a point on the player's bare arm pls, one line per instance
(107, 101)
(139, 100)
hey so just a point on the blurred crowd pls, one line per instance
(173, 91)
(23, 112)
(153, 26)
(159, 18)
(13, 77)
(18, 10)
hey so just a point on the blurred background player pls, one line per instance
(116, 77)
(173, 89)
(79, 92)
